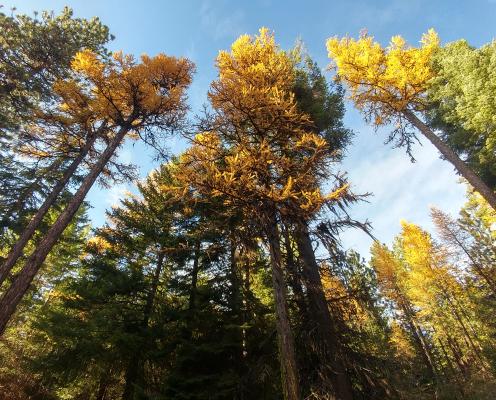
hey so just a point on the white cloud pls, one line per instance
(401, 189)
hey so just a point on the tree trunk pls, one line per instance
(458, 355)
(332, 367)
(289, 370)
(194, 276)
(294, 280)
(234, 278)
(451, 368)
(147, 311)
(27, 192)
(246, 314)
(132, 377)
(236, 301)
(463, 169)
(15, 292)
(35, 222)
(467, 337)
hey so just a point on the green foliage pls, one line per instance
(34, 52)
(462, 103)
(323, 102)
(173, 297)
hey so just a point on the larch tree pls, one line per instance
(34, 54)
(324, 106)
(390, 85)
(433, 289)
(64, 139)
(439, 307)
(392, 277)
(260, 152)
(132, 99)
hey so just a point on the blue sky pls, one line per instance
(199, 29)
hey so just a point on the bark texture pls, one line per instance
(332, 367)
(289, 370)
(15, 292)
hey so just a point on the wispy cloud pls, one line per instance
(401, 189)
(218, 22)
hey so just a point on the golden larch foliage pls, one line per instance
(122, 90)
(384, 81)
(262, 149)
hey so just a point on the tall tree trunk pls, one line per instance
(332, 365)
(134, 372)
(289, 370)
(236, 303)
(451, 368)
(294, 276)
(463, 169)
(458, 355)
(194, 276)
(419, 339)
(16, 291)
(234, 278)
(132, 377)
(447, 357)
(246, 315)
(35, 222)
(150, 300)
(467, 337)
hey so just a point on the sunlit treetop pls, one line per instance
(260, 149)
(147, 99)
(123, 91)
(256, 80)
(390, 271)
(416, 245)
(255, 65)
(384, 81)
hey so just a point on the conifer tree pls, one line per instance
(461, 104)
(261, 153)
(390, 85)
(133, 98)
